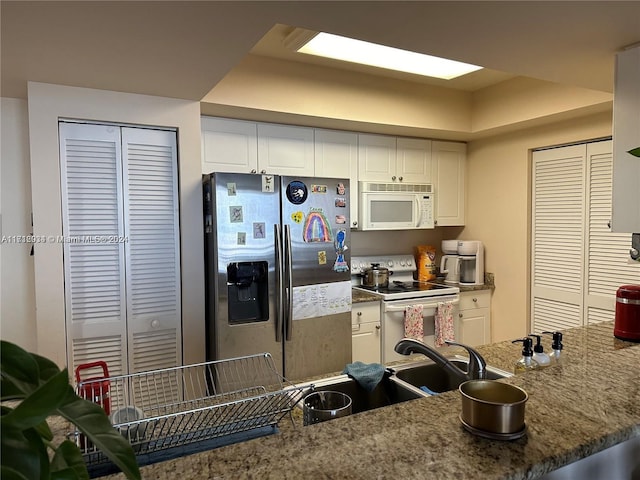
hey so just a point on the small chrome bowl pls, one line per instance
(492, 406)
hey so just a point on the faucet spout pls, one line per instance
(477, 368)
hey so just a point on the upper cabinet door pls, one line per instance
(626, 136)
(229, 146)
(377, 158)
(336, 156)
(285, 150)
(414, 160)
(449, 159)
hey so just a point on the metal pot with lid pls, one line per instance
(376, 276)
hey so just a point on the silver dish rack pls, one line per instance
(178, 411)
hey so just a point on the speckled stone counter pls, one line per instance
(574, 410)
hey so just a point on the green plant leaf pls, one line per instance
(67, 463)
(44, 431)
(635, 152)
(91, 420)
(34, 409)
(19, 367)
(8, 391)
(24, 452)
(7, 473)
(46, 367)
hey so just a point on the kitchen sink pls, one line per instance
(388, 392)
(428, 374)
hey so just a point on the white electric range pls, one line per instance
(403, 291)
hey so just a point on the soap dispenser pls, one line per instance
(538, 352)
(556, 347)
(526, 363)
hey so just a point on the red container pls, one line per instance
(627, 323)
(95, 389)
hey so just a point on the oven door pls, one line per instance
(393, 323)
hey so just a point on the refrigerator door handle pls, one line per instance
(279, 282)
(288, 305)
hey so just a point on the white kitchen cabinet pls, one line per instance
(376, 158)
(474, 315)
(413, 157)
(336, 156)
(239, 146)
(229, 145)
(285, 150)
(626, 136)
(365, 332)
(382, 158)
(448, 178)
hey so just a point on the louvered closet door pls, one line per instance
(557, 238)
(153, 248)
(608, 253)
(93, 270)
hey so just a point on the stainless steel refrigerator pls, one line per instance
(278, 270)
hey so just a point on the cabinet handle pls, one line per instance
(359, 314)
(475, 300)
(460, 315)
(377, 327)
(355, 224)
(393, 178)
(263, 172)
(253, 170)
(400, 178)
(155, 323)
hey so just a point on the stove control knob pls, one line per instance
(402, 263)
(390, 263)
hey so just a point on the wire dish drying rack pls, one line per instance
(177, 411)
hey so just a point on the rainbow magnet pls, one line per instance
(316, 227)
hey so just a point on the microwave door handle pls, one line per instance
(419, 213)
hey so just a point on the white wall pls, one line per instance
(17, 294)
(48, 103)
(498, 210)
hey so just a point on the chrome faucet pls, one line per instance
(477, 366)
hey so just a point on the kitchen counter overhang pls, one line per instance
(590, 403)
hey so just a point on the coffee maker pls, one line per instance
(471, 254)
(450, 262)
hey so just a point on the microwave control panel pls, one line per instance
(426, 211)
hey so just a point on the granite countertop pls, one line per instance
(586, 405)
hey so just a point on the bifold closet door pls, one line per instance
(94, 258)
(122, 249)
(152, 249)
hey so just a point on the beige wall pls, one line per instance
(17, 306)
(498, 210)
(48, 103)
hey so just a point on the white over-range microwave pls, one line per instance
(395, 206)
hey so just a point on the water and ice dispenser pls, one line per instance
(248, 290)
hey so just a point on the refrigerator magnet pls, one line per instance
(340, 202)
(297, 217)
(322, 257)
(318, 189)
(242, 238)
(340, 265)
(341, 219)
(231, 189)
(341, 189)
(267, 183)
(316, 227)
(296, 192)
(259, 230)
(235, 214)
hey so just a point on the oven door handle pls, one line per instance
(391, 308)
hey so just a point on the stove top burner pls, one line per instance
(397, 287)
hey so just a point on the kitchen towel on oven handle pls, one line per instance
(413, 323)
(444, 329)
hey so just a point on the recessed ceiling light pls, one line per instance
(358, 51)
